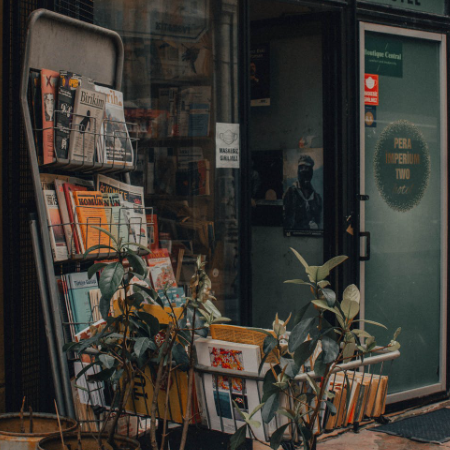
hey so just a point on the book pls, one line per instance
(78, 286)
(76, 232)
(114, 143)
(48, 180)
(36, 111)
(57, 239)
(152, 231)
(243, 335)
(198, 178)
(64, 209)
(221, 391)
(115, 214)
(194, 111)
(90, 210)
(49, 81)
(67, 85)
(175, 295)
(133, 204)
(87, 119)
(161, 271)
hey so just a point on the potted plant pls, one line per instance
(133, 339)
(22, 431)
(335, 341)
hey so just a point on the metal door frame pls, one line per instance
(436, 37)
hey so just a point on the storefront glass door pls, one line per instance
(404, 200)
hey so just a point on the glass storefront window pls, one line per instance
(180, 80)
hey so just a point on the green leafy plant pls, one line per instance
(130, 341)
(339, 341)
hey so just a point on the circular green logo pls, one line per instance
(402, 165)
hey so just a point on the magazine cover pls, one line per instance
(133, 204)
(56, 231)
(49, 81)
(221, 391)
(114, 144)
(161, 271)
(87, 119)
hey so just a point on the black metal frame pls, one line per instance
(343, 171)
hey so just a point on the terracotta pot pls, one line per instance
(89, 442)
(43, 425)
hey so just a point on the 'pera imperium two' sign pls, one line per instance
(402, 165)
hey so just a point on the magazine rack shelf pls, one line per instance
(58, 42)
(367, 405)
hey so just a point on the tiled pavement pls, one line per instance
(371, 440)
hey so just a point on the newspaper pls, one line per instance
(133, 205)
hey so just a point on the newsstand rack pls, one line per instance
(55, 42)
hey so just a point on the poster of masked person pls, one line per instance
(303, 191)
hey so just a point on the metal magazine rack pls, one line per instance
(55, 42)
(351, 410)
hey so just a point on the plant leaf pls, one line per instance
(371, 322)
(303, 352)
(299, 333)
(313, 384)
(323, 284)
(137, 263)
(320, 366)
(324, 270)
(350, 301)
(104, 305)
(277, 437)
(330, 297)
(111, 279)
(103, 375)
(211, 308)
(107, 361)
(269, 387)
(301, 282)
(181, 357)
(143, 344)
(300, 258)
(150, 320)
(397, 332)
(300, 314)
(331, 408)
(97, 247)
(238, 438)
(270, 407)
(95, 268)
(330, 348)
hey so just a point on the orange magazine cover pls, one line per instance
(49, 80)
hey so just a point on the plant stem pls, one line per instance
(31, 418)
(166, 408)
(187, 417)
(22, 425)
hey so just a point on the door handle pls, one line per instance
(366, 256)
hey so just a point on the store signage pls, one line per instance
(370, 116)
(402, 165)
(383, 55)
(370, 89)
(179, 20)
(430, 6)
(227, 145)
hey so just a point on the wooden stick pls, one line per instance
(22, 425)
(60, 428)
(79, 440)
(31, 418)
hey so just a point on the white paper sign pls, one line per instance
(227, 145)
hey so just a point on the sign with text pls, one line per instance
(371, 89)
(402, 165)
(383, 55)
(227, 145)
(430, 6)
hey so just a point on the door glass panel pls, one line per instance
(402, 175)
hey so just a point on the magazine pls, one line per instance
(221, 392)
(57, 239)
(161, 271)
(133, 204)
(114, 144)
(49, 81)
(87, 119)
